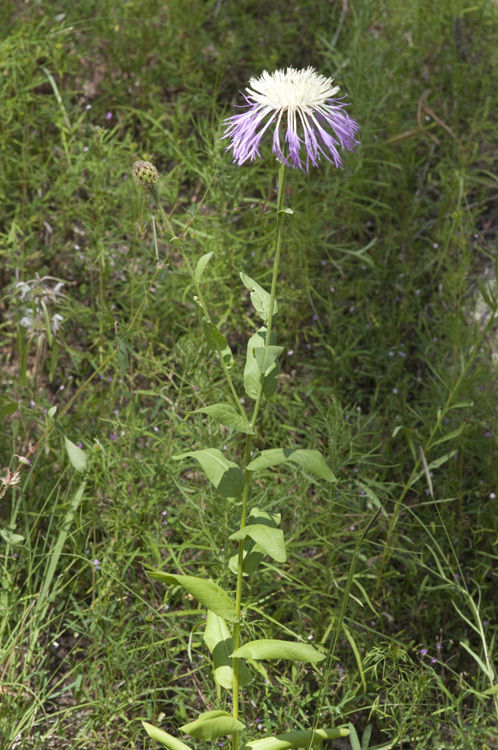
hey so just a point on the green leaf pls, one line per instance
(310, 460)
(297, 738)
(491, 691)
(7, 407)
(201, 265)
(450, 435)
(77, 456)
(206, 592)
(252, 556)
(478, 659)
(10, 537)
(225, 475)
(214, 339)
(271, 540)
(220, 644)
(252, 373)
(213, 724)
(274, 649)
(253, 553)
(167, 740)
(217, 342)
(260, 298)
(266, 356)
(433, 465)
(122, 359)
(353, 738)
(226, 415)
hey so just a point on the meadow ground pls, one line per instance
(386, 314)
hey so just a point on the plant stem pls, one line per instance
(249, 439)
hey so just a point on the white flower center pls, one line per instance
(291, 89)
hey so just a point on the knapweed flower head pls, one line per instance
(299, 105)
(145, 173)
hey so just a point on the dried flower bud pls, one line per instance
(145, 173)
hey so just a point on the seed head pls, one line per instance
(145, 173)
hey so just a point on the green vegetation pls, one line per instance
(389, 369)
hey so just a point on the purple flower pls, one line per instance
(423, 651)
(108, 116)
(300, 102)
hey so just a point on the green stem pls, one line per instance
(249, 439)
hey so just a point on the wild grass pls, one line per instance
(387, 368)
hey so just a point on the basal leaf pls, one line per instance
(275, 649)
(226, 415)
(206, 592)
(310, 460)
(224, 474)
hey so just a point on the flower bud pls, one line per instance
(145, 173)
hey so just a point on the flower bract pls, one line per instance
(298, 106)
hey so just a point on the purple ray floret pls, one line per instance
(299, 107)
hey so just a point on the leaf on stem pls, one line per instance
(76, 455)
(225, 475)
(260, 298)
(213, 724)
(217, 342)
(252, 372)
(206, 592)
(310, 460)
(201, 265)
(269, 539)
(220, 644)
(253, 553)
(166, 740)
(274, 649)
(226, 415)
(297, 738)
(266, 356)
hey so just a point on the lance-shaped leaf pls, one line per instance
(166, 740)
(273, 649)
(269, 539)
(201, 265)
(259, 297)
(220, 644)
(310, 460)
(224, 474)
(297, 738)
(226, 415)
(252, 373)
(213, 724)
(206, 592)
